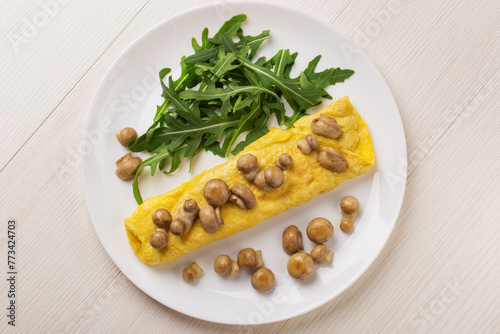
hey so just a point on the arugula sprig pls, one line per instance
(222, 93)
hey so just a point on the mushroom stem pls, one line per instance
(183, 220)
(321, 254)
(242, 196)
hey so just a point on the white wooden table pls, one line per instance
(439, 272)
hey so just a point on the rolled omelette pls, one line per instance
(304, 180)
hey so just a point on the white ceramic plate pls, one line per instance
(128, 95)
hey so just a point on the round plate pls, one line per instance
(128, 95)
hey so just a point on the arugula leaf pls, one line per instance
(223, 96)
(299, 99)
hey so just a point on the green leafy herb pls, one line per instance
(222, 94)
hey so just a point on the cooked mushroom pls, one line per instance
(162, 218)
(210, 218)
(326, 126)
(300, 266)
(242, 196)
(284, 161)
(191, 273)
(158, 239)
(292, 240)
(332, 159)
(248, 258)
(223, 265)
(303, 146)
(247, 164)
(321, 254)
(126, 135)
(127, 166)
(350, 207)
(274, 177)
(270, 178)
(260, 181)
(319, 230)
(308, 144)
(216, 192)
(183, 220)
(313, 141)
(263, 280)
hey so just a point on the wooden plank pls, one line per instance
(436, 274)
(47, 47)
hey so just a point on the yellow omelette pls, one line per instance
(305, 180)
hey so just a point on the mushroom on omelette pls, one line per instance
(304, 180)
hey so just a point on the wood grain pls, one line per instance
(439, 271)
(47, 47)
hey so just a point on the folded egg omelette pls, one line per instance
(305, 180)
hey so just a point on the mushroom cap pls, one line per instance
(303, 146)
(332, 159)
(248, 258)
(274, 176)
(263, 280)
(349, 204)
(185, 217)
(126, 135)
(300, 266)
(127, 166)
(320, 253)
(313, 141)
(246, 162)
(292, 240)
(162, 218)
(325, 126)
(260, 181)
(222, 264)
(284, 161)
(243, 193)
(158, 239)
(210, 218)
(319, 230)
(191, 273)
(346, 226)
(216, 192)
(177, 227)
(236, 200)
